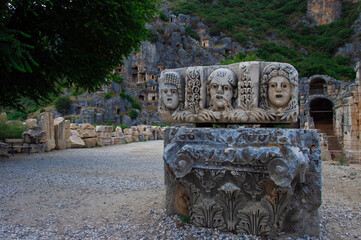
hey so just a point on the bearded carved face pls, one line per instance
(221, 93)
(279, 91)
(170, 96)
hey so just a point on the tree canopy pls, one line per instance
(46, 45)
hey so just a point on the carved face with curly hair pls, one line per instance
(279, 86)
(171, 89)
(221, 88)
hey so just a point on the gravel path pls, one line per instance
(117, 192)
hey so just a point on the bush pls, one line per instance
(133, 114)
(11, 130)
(123, 126)
(131, 100)
(189, 31)
(16, 115)
(136, 106)
(108, 95)
(163, 17)
(62, 104)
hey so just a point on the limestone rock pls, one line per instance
(76, 142)
(74, 133)
(128, 138)
(73, 126)
(59, 133)
(87, 131)
(39, 148)
(90, 142)
(34, 135)
(31, 122)
(4, 149)
(128, 131)
(67, 129)
(47, 124)
(104, 141)
(117, 140)
(324, 11)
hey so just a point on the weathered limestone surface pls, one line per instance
(34, 135)
(324, 11)
(59, 133)
(47, 124)
(31, 122)
(246, 92)
(4, 149)
(87, 131)
(253, 181)
(90, 142)
(76, 142)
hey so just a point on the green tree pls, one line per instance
(46, 45)
(62, 104)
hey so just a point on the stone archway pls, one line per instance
(318, 86)
(321, 110)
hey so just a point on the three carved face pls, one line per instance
(170, 96)
(279, 91)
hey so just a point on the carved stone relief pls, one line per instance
(246, 180)
(249, 92)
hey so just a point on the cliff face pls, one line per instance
(323, 12)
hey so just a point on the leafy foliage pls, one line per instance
(48, 45)
(108, 95)
(133, 114)
(62, 104)
(131, 100)
(189, 31)
(310, 49)
(163, 17)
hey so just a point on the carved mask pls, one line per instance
(170, 96)
(279, 91)
(221, 93)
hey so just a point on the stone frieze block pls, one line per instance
(246, 92)
(253, 181)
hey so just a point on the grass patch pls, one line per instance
(11, 130)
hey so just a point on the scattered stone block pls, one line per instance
(47, 124)
(59, 133)
(128, 138)
(39, 148)
(90, 142)
(4, 149)
(74, 133)
(73, 126)
(34, 135)
(76, 142)
(87, 131)
(104, 141)
(31, 122)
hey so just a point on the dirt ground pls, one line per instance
(118, 192)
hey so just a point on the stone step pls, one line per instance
(333, 143)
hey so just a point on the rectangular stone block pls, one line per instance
(246, 92)
(262, 182)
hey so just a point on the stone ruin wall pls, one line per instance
(345, 97)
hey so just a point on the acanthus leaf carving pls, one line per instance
(253, 220)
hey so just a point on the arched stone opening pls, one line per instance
(321, 110)
(318, 86)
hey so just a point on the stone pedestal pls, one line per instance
(254, 181)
